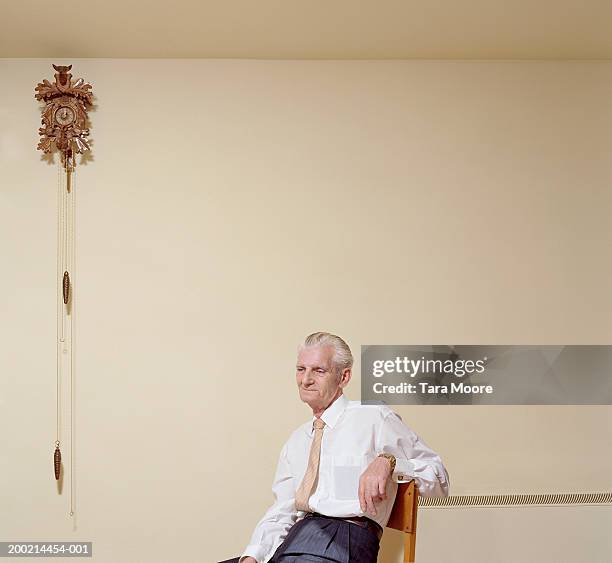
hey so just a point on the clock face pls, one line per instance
(64, 115)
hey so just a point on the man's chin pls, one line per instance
(308, 397)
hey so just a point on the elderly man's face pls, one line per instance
(316, 380)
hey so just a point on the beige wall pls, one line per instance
(231, 207)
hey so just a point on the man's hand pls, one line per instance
(373, 484)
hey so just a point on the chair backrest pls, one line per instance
(404, 517)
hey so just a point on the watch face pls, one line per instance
(64, 115)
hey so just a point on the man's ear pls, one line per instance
(345, 377)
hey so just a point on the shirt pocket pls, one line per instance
(347, 470)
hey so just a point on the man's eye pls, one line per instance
(320, 371)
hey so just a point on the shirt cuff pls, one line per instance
(258, 552)
(403, 471)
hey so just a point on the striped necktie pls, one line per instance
(308, 485)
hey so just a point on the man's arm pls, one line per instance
(279, 517)
(414, 459)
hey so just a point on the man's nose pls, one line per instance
(308, 379)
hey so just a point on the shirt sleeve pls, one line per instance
(414, 459)
(273, 527)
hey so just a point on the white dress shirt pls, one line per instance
(353, 437)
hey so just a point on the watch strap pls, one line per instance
(391, 459)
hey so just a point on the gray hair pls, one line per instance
(343, 358)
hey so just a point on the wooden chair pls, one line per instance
(404, 517)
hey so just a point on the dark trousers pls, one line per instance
(326, 540)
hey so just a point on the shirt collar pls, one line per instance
(331, 414)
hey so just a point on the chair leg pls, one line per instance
(409, 547)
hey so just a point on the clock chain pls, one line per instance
(60, 336)
(66, 259)
(72, 174)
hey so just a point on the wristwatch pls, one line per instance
(391, 459)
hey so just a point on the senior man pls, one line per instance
(337, 474)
